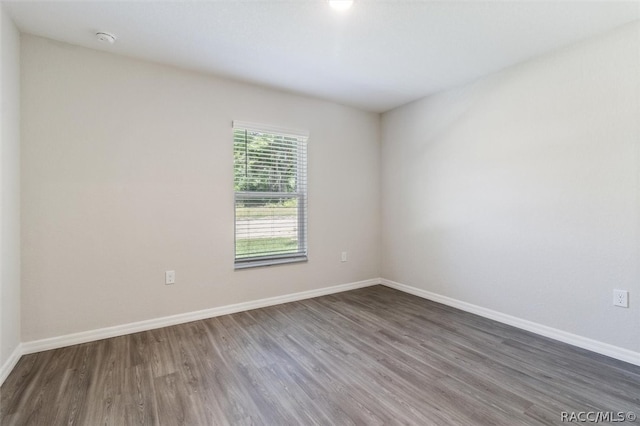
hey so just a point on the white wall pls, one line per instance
(10, 187)
(520, 193)
(127, 171)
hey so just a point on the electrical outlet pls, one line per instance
(621, 298)
(170, 277)
(343, 256)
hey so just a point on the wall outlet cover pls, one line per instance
(170, 277)
(621, 298)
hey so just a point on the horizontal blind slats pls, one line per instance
(270, 183)
(270, 129)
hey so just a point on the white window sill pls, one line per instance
(245, 264)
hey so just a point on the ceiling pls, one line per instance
(378, 55)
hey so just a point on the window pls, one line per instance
(270, 181)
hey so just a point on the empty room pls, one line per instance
(314, 212)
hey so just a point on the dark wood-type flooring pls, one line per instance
(369, 356)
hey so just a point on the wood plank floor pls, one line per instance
(369, 356)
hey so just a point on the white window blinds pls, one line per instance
(270, 182)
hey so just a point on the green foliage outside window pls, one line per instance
(264, 162)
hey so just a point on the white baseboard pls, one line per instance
(120, 330)
(6, 368)
(543, 330)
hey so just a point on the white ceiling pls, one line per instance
(376, 56)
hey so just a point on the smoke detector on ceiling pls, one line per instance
(106, 38)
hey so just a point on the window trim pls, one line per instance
(301, 194)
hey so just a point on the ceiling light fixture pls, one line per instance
(106, 38)
(340, 4)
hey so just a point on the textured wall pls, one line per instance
(10, 186)
(128, 172)
(519, 193)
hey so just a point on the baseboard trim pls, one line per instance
(612, 351)
(10, 363)
(120, 330)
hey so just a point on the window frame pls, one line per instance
(301, 194)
